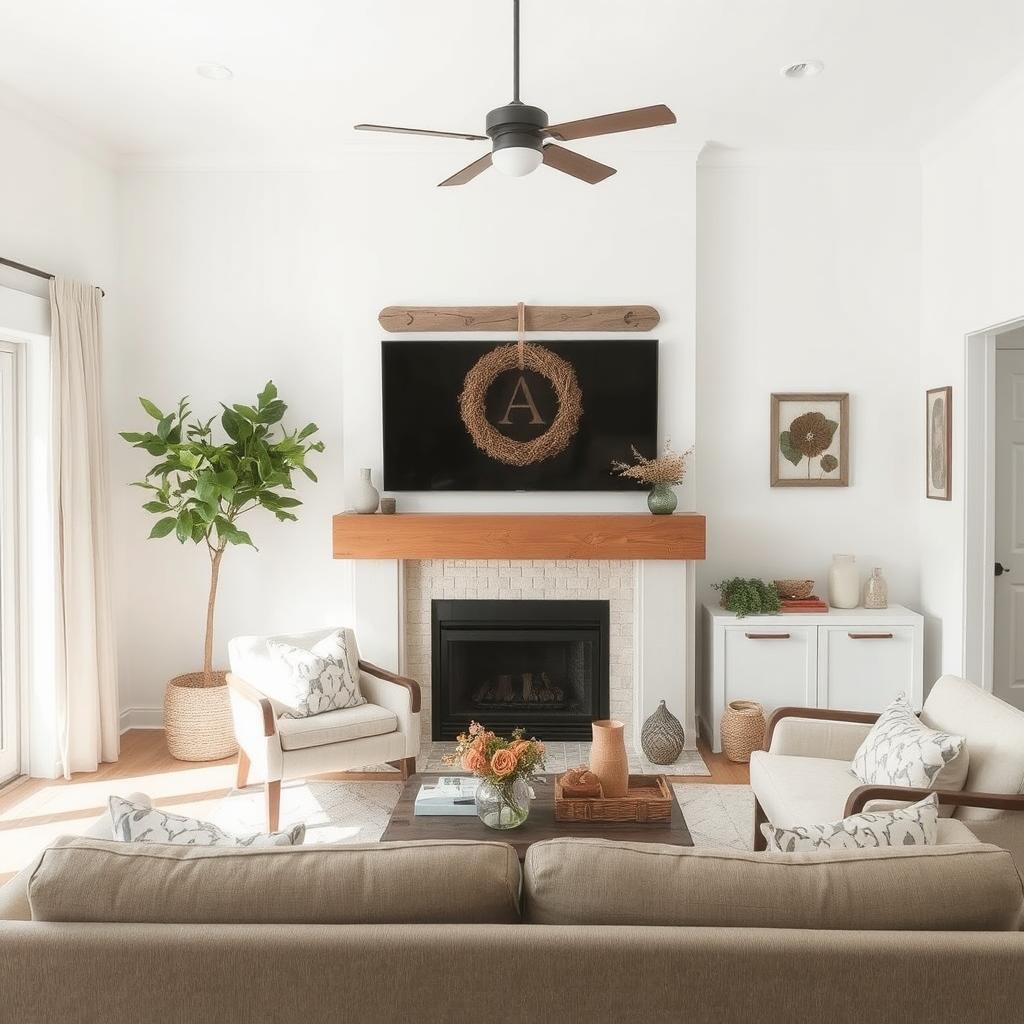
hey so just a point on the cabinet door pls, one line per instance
(774, 665)
(862, 668)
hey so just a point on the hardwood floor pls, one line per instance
(35, 811)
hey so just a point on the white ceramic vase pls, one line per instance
(843, 582)
(366, 497)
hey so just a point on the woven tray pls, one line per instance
(648, 799)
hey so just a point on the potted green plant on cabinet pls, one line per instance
(199, 489)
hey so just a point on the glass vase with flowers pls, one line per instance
(505, 767)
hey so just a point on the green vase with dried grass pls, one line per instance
(199, 488)
(661, 474)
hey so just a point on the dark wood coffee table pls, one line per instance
(405, 824)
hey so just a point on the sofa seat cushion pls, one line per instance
(336, 726)
(931, 888)
(801, 790)
(430, 882)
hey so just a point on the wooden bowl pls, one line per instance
(795, 590)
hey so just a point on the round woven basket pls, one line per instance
(742, 729)
(795, 590)
(197, 718)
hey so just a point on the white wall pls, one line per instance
(57, 212)
(808, 281)
(232, 277)
(972, 278)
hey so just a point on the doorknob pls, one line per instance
(1000, 569)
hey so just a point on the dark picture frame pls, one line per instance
(938, 446)
(822, 458)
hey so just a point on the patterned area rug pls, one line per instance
(358, 812)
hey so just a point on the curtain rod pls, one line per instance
(33, 271)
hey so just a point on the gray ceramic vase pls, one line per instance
(662, 736)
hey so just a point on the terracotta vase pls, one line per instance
(608, 758)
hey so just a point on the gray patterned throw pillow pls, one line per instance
(318, 680)
(901, 751)
(137, 823)
(915, 825)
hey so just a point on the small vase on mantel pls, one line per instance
(608, 759)
(876, 592)
(366, 497)
(843, 582)
(662, 500)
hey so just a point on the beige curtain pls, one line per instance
(85, 665)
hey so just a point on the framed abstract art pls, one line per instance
(810, 440)
(939, 443)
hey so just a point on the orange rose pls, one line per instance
(474, 761)
(520, 747)
(504, 762)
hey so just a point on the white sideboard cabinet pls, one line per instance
(857, 660)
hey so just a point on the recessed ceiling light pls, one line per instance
(803, 69)
(215, 72)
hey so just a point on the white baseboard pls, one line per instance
(142, 718)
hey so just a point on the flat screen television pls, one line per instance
(428, 447)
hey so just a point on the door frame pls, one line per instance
(979, 511)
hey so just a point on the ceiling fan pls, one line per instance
(519, 134)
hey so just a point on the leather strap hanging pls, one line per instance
(521, 333)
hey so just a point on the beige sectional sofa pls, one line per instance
(586, 930)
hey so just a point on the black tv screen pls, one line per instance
(428, 445)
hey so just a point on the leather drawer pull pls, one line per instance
(870, 636)
(766, 636)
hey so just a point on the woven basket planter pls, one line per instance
(743, 727)
(197, 718)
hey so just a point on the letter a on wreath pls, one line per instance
(492, 441)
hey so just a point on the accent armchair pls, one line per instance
(804, 777)
(385, 730)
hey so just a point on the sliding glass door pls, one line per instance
(10, 550)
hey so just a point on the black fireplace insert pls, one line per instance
(542, 665)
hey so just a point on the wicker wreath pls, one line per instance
(496, 444)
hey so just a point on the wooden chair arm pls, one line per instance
(391, 677)
(249, 692)
(857, 800)
(819, 714)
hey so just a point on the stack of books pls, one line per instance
(449, 795)
(804, 604)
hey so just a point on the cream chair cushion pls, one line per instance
(995, 738)
(336, 726)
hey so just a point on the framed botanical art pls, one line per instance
(810, 435)
(939, 443)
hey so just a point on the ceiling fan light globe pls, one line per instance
(517, 161)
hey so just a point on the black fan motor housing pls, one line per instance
(518, 125)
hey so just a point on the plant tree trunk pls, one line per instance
(210, 606)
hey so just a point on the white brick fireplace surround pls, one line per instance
(650, 603)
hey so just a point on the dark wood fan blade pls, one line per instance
(607, 124)
(418, 131)
(468, 173)
(581, 167)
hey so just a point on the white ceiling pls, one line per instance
(123, 71)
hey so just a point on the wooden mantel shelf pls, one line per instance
(409, 535)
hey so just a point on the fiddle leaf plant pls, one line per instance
(200, 487)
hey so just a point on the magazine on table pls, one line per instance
(449, 794)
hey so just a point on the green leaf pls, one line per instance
(240, 537)
(156, 506)
(163, 428)
(155, 447)
(151, 408)
(280, 501)
(132, 438)
(184, 525)
(247, 411)
(273, 412)
(237, 428)
(309, 473)
(788, 451)
(267, 395)
(309, 428)
(226, 478)
(284, 516)
(163, 527)
(190, 459)
(207, 488)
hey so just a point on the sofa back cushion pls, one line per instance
(443, 882)
(995, 738)
(938, 888)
